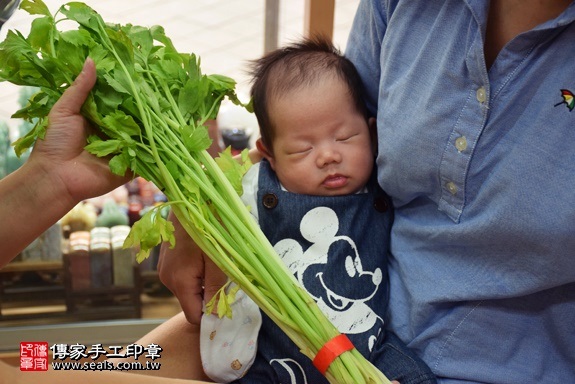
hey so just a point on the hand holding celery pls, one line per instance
(150, 103)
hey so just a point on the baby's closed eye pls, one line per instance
(298, 150)
(347, 137)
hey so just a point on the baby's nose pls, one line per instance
(328, 156)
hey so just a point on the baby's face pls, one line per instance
(322, 144)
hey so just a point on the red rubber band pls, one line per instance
(330, 351)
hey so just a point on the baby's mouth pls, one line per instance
(335, 181)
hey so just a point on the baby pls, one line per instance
(316, 198)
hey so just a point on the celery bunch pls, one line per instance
(150, 103)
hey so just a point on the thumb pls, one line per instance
(73, 98)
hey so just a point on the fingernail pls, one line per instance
(88, 59)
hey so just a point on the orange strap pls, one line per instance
(330, 351)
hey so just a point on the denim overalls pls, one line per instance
(337, 249)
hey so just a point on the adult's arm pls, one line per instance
(364, 47)
(58, 174)
(13, 375)
(180, 356)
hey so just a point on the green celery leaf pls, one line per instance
(153, 100)
(209, 308)
(67, 64)
(91, 112)
(123, 48)
(119, 81)
(146, 157)
(159, 34)
(221, 82)
(107, 99)
(224, 306)
(192, 191)
(102, 148)
(249, 106)
(41, 33)
(168, 70)
(193, 68)
(141, 39)
(151, 230)
(196, 138)
(27, 141)
(100, 55)
(173, 169)
(119, 122)
(83, 15)
(191, 97)
(119, 164)
(78, 37)
(18, 65)
(39, 105)
(232, 169)
(224, 298)
(40, 70)
(129, 105)
(35, 7)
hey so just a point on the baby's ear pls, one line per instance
(266, 153)
(372, 124)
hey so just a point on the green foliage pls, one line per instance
(142, 80)
(151, 230)
(223, 299)
(233, 169)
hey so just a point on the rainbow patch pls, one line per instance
(568, 99)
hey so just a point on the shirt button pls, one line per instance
(481, 95)
(270, 200)
(380, 204)
(461, 143)
(451, 187)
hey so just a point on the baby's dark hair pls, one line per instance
(300, 63)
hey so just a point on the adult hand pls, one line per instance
(58, 174)
(61, 153)
(189, 273)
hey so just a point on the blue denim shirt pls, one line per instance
(480, 164)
